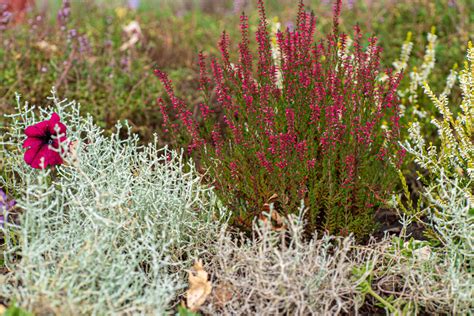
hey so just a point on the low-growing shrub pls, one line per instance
(454, 159)
(434, 277)
(284, 273)
(110, 230)
(443, 284)
(310, 121)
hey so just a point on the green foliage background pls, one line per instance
(113, 85)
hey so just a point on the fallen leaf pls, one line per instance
(199, 287)
(277, 222)
(272, 198)
(223, 293)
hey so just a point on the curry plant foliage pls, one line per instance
(110, 230)
(448, 174)
(454, 158)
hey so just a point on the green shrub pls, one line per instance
(312, 124)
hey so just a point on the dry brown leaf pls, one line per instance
(272, 198)
(277, 222)
(199, 287)
(223, 293)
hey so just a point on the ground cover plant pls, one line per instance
(128, 217)
(317, 160)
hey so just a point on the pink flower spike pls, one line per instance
(43, 141)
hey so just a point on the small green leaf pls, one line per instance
(183, 311)
(14, 310)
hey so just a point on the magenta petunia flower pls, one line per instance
(43, 142)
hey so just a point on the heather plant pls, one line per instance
(108, 231)
(419, 74)
(326, 132)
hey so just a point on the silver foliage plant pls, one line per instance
(108, 232)
(282, 272)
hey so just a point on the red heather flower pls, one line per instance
(43, 143)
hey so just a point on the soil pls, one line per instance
(389, 223)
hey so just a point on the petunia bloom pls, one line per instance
(5, 205)
(43, 141)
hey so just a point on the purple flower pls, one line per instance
(64, 12)
(133, 4)
(5, 206)
(84, 45)
(71, 34)
(239, 6)
(125, 63)
(290, 26)
(5, 16)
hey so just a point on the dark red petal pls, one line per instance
(50, 158)
(37, 130)
(55, 121)
(36, 163)
(32, 142)
(30, 155)
(55, 143)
